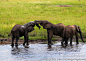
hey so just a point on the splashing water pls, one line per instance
(40, 52)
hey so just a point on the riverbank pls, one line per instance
(20, 41)
(40, 41)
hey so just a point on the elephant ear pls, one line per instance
(48, 26)
(78, 28)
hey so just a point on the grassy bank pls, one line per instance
(22, 11)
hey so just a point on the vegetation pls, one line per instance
(23, 11)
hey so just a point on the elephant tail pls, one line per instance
(9, 35)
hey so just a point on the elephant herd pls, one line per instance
(60, 29)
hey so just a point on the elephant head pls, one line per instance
(29, 29)
(45, 24)
(78, 29)
(31, 25)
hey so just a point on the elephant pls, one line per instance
(22, 30)
(52, 29)
(69, 32)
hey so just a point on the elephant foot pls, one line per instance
(71, 45)
(62, 44)
(23, 44)
(12, 45)
(16, 46)
(84, 41)
(66, 44)
(12, 50)
(77, 43)
(49, 45)
(26, 46)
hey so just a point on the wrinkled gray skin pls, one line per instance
(69, 32)
(22, 30)
(52, 29)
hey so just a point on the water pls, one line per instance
(40, 52)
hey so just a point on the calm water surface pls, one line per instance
(40, 52)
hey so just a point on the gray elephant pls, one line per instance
(69, 32)
(52, 29)
(22, 30)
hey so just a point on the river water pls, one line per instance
(40, 52)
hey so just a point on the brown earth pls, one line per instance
(20, 41)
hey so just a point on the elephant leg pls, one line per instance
(71, 41)
(66, 41)
(62, 42)
(27, 40)
(16, 43)
(12, 44)
(81, 37)
(77, 38)
(24, 40)
(49, 43)
(50, 34)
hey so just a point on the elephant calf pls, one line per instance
(52, 29)
(69, 32)
(22, 30)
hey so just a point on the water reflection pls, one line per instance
(41, 52)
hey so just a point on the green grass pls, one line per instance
(23, 11)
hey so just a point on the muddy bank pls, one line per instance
(20, 41)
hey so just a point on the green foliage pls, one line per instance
(23, 11)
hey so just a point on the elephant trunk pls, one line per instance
(81, 36)
(38, 26)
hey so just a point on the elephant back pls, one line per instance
(69, 31)
(58, 30)
(15, 28)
